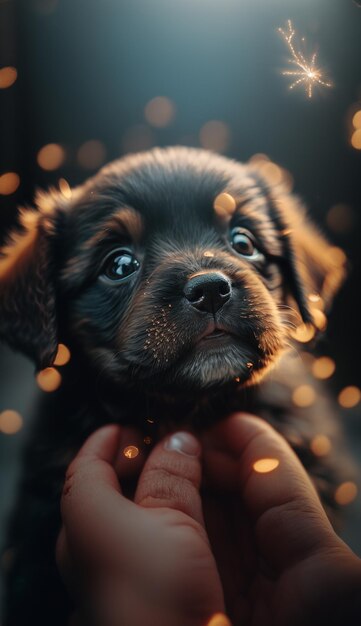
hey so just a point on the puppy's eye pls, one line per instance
(243, 243)
(119, 264)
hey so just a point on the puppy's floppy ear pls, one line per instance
(316, 268)
(322, 267)
(313, 266)
(27, 289)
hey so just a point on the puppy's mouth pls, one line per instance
(214, 335)
(214, 332)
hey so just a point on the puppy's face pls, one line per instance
(169, 269)
(169, 282)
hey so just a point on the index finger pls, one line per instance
(289, 521)
(92, 494)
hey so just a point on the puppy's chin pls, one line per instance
(213, 364)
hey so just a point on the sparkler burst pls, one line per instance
(306, 73)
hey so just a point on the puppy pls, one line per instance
(176, 277)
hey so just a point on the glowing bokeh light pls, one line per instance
(219, 619)
(304, 396)
(8, 76)
(215, 135)
(320, 445)
(265, 466)
(10, 422)
(63, 355)
(303, 333)
(91, 154)
(356, 120)
(346, 493)
(9, 182)
(349, 397)
(356, 139)
(224, 204)
(323, 367)
(306, 74)
(159, 112)
(130, 452)
(147, 440)
(314, 297)
(51, 156)
(319, 318)
(48, 379)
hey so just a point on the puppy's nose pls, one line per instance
(208, 292)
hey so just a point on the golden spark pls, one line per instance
(264, 466)
(130, 452)
(306, 74)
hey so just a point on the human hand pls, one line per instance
(141, 563)
(279, 559)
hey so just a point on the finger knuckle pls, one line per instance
(163, 487)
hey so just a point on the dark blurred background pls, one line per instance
(86, 81)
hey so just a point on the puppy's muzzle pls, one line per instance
(208, 291)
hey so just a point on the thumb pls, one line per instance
(171, 476)
(289, 521)
(92, 495)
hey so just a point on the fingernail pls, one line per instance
(183, 442)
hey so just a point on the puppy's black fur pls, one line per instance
(175, 306)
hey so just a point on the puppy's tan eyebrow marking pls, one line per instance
(124, 221)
